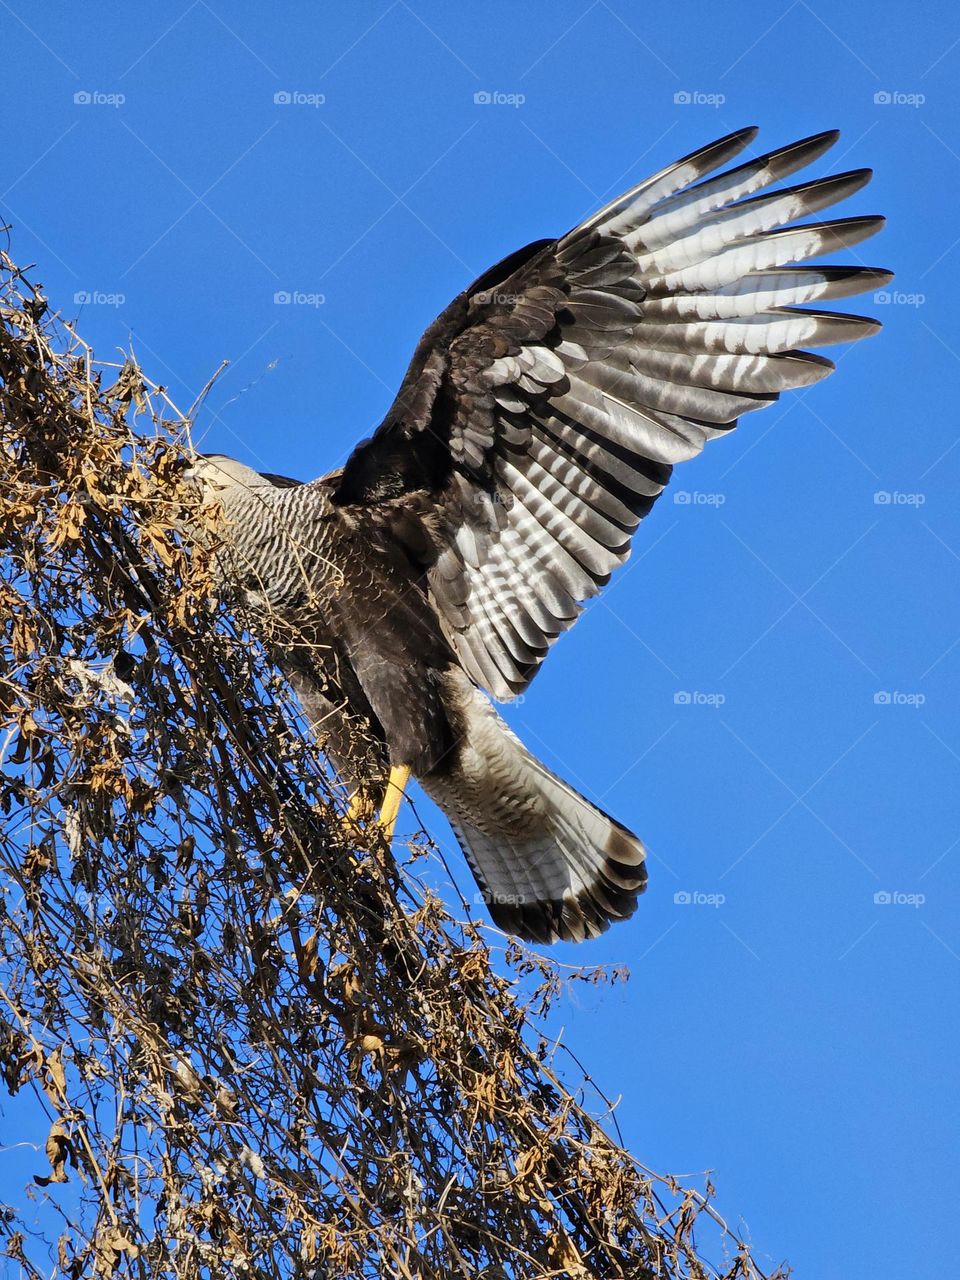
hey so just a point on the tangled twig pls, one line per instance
(264, 1048)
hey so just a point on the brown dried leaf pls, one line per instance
(58, 1151)
(54, 1077)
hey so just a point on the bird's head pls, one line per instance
(215, 472)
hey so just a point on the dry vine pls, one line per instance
(264, 1049)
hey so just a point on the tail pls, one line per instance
(550, 864)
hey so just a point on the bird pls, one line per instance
(538, 421)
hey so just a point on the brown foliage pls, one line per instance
(265, 1050)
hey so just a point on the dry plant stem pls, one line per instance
(267, 1049)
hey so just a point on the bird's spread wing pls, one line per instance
(544, 409)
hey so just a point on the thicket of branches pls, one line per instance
(264, 1049)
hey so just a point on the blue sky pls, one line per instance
(767, 693)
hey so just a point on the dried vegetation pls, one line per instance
(263, 1048)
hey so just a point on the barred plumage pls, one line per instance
(538, 422)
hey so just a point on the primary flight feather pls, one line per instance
(537, 424)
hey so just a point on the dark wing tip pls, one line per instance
(814, 358)
(803, 152)
(726, 147)
(825, 139)
(867, 325)
(869, 277)
(852, 179)
(746, 134)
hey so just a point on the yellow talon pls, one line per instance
(396, 785)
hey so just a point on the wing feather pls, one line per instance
(544, 410)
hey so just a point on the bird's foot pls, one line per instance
(360, 809)
(361, 812)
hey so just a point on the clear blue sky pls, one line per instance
(799, 1038)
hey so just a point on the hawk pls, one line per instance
(536, 425)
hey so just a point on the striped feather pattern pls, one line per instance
(550, 864)
(677, 309)
(539, 420)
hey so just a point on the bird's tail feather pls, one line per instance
(550, 864)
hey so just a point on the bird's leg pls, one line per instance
(396, 785)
